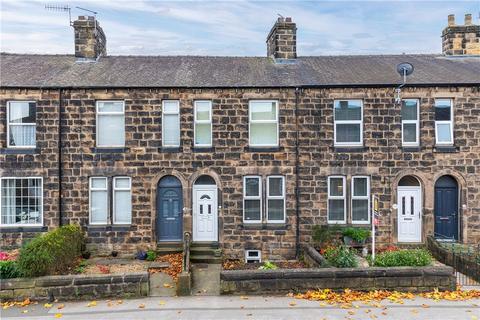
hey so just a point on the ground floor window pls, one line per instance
(358, 210)
(256, 201)
(100, 195)
(21, 201)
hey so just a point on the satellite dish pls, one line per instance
(405, 69)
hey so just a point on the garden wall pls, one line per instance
(69, 287)
(280, 281)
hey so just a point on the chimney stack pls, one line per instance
(461, 39)
(90, 41)
(282, 39)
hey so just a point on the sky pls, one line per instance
(234, 28)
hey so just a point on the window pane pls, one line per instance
(336, 210)
(123, 207)
(409, 132)
(122, 183)
(348, 110)
(336, 187)
(360, 210)
(22, 112)
(171, 130)
(111, 130)
(348, 133)
(21, 201)
(263, 134)
(98, 208)
(443, 132)
(360, 187)
(99, 183)
(170, 107)
(203, 133)
(22, 135)
(114, 106)
(442, 110)
(263, 110)
(409, 110)
(203, 110)
(275, 186)
(252, 209)
(275, 209)
(252, 187)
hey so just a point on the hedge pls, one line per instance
(54, 252)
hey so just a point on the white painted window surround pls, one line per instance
(170, 123)
(110, 124)
(21, 124)
(21, 201)
(263, 123)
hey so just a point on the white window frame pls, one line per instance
(343, 197)
(282, 197)
(108, 113)
(258, 259)
(196, 121)
(335, 122)
(115, 189)
(40, 205)
(451, 122)
(354, 197)
(179, 124)
(90, 189)
(250, 121)
(417, 126)
(20, 124)
(259, 197)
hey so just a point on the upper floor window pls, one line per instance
(21, 202)
(252, 199)
(110, 124)
(21, 124)
(171, 123)
(203, 123)
(263, 123)
(348, 117)
(360, 200)
(443, 122)
(410, 122)
(337, 205)
(275, 199)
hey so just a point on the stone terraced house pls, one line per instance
(246, 153)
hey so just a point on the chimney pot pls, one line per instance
(451, 20)
(468, 19)
(288, 19)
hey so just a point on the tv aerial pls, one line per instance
(404, 69)
(67, 8)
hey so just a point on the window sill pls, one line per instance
(108, 227)
(20, 151)
(203, 149)
(411, 149)
(265, 226)
(350, 149)
(109, 150)
(170, 149)
(13, 229)
(262, 149)
(445, 149)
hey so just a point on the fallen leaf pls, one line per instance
(243, 297)
(141, 306)
(292, 304)
(58, 315)
(61, 306)
(162, 302)
(25, 311)
(47, 305)
(425, 305)
(92, 304)
(167, 285)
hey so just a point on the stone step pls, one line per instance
(169, 247)
(205, 259)
(211, 245)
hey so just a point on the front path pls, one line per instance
(253, 307)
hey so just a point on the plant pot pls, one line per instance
(86, 255)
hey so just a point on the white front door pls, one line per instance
(409, 214)
(205, 214)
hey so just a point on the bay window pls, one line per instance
(21, 124)
(263, 123)
(348, 126)
(443, 122)
(21, 202)
(110, 124)
(203, 123)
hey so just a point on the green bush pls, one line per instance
(151, 255)
(51, 253)
(403, 258)
(341, 257)
(357, 234)
(267, 265)
(325, 234)
(8, 269)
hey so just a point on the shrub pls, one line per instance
(267, 265)
(51, 253)
(326, 234)
(403, 258)
(8, 269)
(151, 255)
(357, 234)
(341, 257)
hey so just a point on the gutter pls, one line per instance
(60, 175)
(297, 179)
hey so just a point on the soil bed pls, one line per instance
(231, 264)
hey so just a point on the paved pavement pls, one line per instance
(235, 307)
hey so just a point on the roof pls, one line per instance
(54, 71)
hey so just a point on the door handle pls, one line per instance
(444, 218)
(170, 219)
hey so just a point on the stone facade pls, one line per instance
(90, 40)
(382, 158)
(282, 39)
(461, 39)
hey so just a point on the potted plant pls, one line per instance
(355, 236)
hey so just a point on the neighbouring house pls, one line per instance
(246, 153)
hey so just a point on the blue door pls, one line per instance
(446, 208)
(169, 209)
